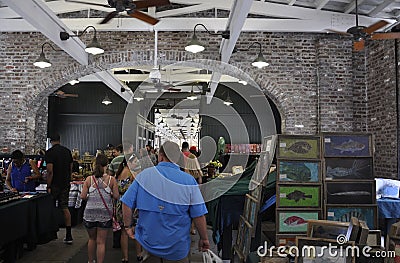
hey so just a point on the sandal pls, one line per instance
(139, 258)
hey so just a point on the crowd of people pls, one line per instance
(153, 196)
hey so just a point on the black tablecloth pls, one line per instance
(31, 221)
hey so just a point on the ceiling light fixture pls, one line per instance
(73, 82)
(191, 96)
(93, 48)
(228, 101)
(42, 61)
(106, 101)
(195, 46)
(139, 97)
(260, 61)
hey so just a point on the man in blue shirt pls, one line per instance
(167, 200)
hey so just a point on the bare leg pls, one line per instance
(67, 217)
(101, 243)
(138, 248)
(124, 244)
(92, 243)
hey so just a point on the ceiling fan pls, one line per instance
(361, 33)
(61, 94)
(131, 8)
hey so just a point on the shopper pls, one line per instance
(118, 157)
(192, 167)
(21, 173)
(124, 179)
(167, 199)
(59, 170)
(99, 190)
(185, 149)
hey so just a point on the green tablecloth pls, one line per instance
(240, 188)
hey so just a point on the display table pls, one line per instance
(31, 221)
(389, 210)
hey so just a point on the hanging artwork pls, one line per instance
(348, 169)
(298, 196)
(350, 145)
(298, 147)
(299, 171)
(290, 221)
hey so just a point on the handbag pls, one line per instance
(211, 257)
(115, 224)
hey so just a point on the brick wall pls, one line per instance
(381, 111)
(316, 81)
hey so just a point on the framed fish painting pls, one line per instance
(358, 192)
(290, 221)
(299, 171)
(298, 196)
(298, 147)
(359, 168)
(347, 145)
(343, 213)
(327, 229)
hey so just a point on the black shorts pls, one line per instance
(61, 195)
(90, 225)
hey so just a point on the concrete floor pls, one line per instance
(57, 251)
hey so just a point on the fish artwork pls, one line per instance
(296, 172)
(357, 166)
(347, 216)
(294, 221)
(352, 193)
(300, 147)
(349, 146)
(297, 195)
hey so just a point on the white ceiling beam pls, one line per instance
(380, 7)
(185, 10)
(38, 14)
(321, 4)
(320, 24)
(6, 12)
(350, 7)
(237, 18)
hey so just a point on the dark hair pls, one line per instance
(121, 168)
(119, 148)
(101, 161)
(171, 151)
(185, 145)
(17, 154)
(54, 137)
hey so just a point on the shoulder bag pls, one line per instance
(115, 224)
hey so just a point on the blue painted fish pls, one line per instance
(349, 146)
(355, 169)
